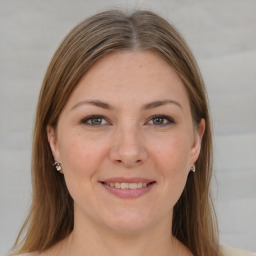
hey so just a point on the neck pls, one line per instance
(90, 240)
(120, 245)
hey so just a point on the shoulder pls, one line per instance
(28, 254)
(227, 251)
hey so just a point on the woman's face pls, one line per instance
(126, 142)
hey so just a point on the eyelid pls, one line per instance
(86, 119)
(168, 118)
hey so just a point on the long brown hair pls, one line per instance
(51, 215)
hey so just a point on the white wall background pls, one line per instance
(222, 35)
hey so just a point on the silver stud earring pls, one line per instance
(57, 166)
(193, 168)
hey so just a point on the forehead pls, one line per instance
(135, 77)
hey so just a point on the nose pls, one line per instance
(128, 148)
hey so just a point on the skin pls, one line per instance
(127, 142)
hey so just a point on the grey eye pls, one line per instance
(161, 120)
(94, 121)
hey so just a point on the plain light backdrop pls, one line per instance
(222, 35)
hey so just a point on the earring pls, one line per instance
(193, 168)
(57, 166)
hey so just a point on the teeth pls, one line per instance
(124, 185)
(127, 185)
(133, 185)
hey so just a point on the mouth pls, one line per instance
(128, 188)
(126, 185)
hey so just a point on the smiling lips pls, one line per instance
(128, 187)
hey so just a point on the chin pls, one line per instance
(130, 223)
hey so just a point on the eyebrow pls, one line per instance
(96, 103)
(159, 103)
(105, 105)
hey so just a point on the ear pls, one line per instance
(198, 136)
(52, 140)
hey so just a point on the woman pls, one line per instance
(122, 151)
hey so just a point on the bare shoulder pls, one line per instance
(227, 251)
(29, 254)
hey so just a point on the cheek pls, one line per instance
(173, 154)
(172, 159)
(80, 160)
(80, 156)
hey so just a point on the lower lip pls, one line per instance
(128, 193)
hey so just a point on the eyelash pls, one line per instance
(164, 117)
(90, 118)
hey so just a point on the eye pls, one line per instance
(95, 120)
(161, 120)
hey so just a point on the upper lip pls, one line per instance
(127, 180)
